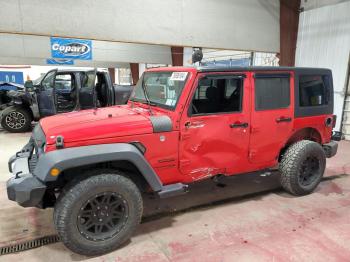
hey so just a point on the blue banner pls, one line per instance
(71, 48)
(12, 77)
(52, 61)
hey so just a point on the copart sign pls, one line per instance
(71, 48)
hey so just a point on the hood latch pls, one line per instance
(59, 142)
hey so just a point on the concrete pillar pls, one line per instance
(111, 72)
(289, 21)
(134, 67)
(187, 57)
(177, 55)
(142, 68)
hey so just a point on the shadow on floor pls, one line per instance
(202, 195)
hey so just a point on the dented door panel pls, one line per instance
(215, 143)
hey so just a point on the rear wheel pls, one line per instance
(16, 119)
(98, 214)
(302, 167)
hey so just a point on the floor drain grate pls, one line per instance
(18, 247)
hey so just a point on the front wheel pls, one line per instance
(302, 167)
(16, 119)
(98, 214)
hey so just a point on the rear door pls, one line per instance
(87, 92)
(46, 95)
(271, 117)
(109, 89)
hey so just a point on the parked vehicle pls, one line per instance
(5, 87)
(60, 91)
(180, 126)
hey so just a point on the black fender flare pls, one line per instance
(21, 106)
(64, 159)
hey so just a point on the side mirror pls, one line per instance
(29, 85)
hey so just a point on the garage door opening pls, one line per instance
(346, 112)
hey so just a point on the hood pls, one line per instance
(98, 123)
(7, 86)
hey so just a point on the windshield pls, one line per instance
(37, 81)
(163, 88)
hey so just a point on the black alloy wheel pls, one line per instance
(302, 167)
(16, 119)
(309, 170)
(98, 211)
(102, 216)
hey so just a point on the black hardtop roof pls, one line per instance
(262, 68)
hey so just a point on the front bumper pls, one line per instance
(330, 149)
(23, 187)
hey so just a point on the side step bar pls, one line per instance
(173, 190)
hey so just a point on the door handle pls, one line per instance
(283, 119)
(194, 124)
(239, 125)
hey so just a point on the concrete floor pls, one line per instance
(245, 218)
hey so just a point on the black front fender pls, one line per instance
(64, 159)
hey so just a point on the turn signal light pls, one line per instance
(54, 172)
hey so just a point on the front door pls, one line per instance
(87, 92)
(272, 116)
(215, 128)
(65, 92)
(46, 95)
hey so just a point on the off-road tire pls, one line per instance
(293, 163)
(72, 199)
(23, 113)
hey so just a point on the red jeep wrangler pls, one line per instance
(181, 125)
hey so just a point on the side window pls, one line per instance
(217, 95)
(271, 92)
(48, 81)
(63, 82)
(202, 89)
(313, 90)
(88, 79)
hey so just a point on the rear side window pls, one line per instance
(314, 90)
(271, 92)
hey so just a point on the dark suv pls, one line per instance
(60, 91)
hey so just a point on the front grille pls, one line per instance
(32, 162)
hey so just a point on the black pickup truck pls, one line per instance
(60, 91)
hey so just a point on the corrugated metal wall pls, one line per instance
(346, 114)
(324, 41)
